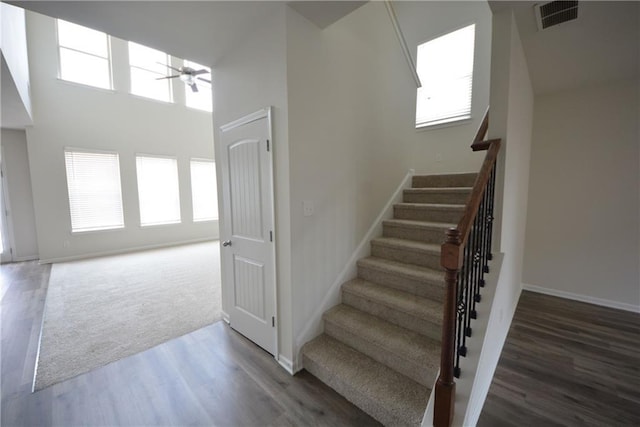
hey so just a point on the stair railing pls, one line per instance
(465, 256)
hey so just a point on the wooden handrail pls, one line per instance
(478, 140)
(452, 254)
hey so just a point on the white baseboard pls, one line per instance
(25, 258)
(582, 298)
(287, 364)
(124, 251)
(225, 317)
(313, 326)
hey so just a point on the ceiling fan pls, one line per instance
(188, 75)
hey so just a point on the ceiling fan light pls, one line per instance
(188, 79)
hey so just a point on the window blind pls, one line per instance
(95, 195)
(445, 67)
(204, 190)
(158, 191)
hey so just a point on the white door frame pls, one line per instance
(249, 118)
(5, 220)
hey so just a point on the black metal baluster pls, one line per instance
(491, 191)
(469, 296)
(482, 216)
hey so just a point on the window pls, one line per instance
(445, 67)
(95, 197)
(158, 191)
(84, 55)
(204, 190)
(201, 99)
(147, 66)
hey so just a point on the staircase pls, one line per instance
(381, 347)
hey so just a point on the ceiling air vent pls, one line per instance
(555, 12)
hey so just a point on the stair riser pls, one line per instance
(354, 396)
(406, 320)
(427, 214)
(457, 180)
(445, 198)
(427, 235)
(407, 256)
(417, 372)
(434, 291)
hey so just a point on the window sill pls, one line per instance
(100, 230)
(86, 86)
(457, 122)
(159, 224)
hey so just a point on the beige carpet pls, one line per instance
(103, 309)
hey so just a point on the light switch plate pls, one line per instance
(307, 208)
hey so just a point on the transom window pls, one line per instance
(158, 190)
(201, 99)
(95, 195)
(445, 68)
(84, 55)
(147, 65)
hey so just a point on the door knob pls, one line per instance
(226, 243)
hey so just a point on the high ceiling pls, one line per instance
(201, 31)
(602, 44)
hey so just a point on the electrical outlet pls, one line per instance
(307, 208)
(66, 244)
(438, 157)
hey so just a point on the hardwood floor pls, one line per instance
(212, 376)
(566, 363)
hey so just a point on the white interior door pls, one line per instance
(248, 252)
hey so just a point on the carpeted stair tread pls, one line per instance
(419, 224)
(403, 350)
(438, 190)
(420, 231)
(407, 251)
(402, 269)
(434, 212)
(386, 395)
(409, 245)
(447, 180)
(410, 311)
(436, 195)
(435, 206)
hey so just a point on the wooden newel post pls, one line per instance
(451, 260)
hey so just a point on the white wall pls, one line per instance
(13, 43)
(72, 115)
(254, 76)
(582, 220)
(18, 182)
(352, 133)
(511, 119)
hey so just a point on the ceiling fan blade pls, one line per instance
(194, 87)
(203, 71)
(168, 77)
(204, 80)
(169, 66)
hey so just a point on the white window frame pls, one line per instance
(144, 223)
(112, 226)
(216, 216)
(431, 86)
(73, 49)
(169, 99)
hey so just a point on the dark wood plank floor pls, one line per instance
(566, 363)
(212, 376)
